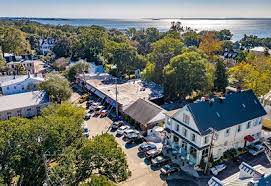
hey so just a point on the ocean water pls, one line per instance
(239, 27)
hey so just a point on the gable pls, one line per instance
(179, 115)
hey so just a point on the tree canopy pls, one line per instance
(185, 74)
(54, 140)
(57, 87)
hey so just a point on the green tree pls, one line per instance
(61, 63)
(163, 50)
(100, 181)
(224, 34)
(75, 69)
(63, 47)
(90, 44)
(124, 56)
(185, 74)
(191, 39)
(13, 40)
(23, 142)
(221, 78)
(57, 87)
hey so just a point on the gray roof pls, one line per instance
(23, 100)
(19, 80)
(236, 108)
(144, 111)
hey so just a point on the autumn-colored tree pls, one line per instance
(210, 44)
(254, 74)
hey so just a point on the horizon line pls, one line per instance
(154, 18)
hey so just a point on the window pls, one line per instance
(29, 109)
(248, 124)
(226, 143)
(255, 122)
(227, 132)
(7, 88)
(19, 113)
(184, 132)
(177, 127)
(193, 137)
(184, 145)
(239, 128)
(175, 139)
(206, 139)
(38, 110)
(193, 151)
(186, 119)
(168, 121)
(205, 153)
(14, 87)
(258, 134)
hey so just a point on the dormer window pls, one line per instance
(186, 119)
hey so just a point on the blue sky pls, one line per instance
(135, 8)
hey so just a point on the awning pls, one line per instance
(249, 138)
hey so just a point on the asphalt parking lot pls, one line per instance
(142, 175)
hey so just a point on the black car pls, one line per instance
(136, 140)
(169, 169)
(160, 160)
(146, 146)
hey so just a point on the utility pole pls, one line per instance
(209, 151)
(46, 169)
(117, 110)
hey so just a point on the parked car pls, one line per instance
(160, 160)
(146, 146)
(122, 129)
(132, 135)
(136, 140)
(255, 149)
(89, 103)
(83, 98)
(117, 124)
(85, 130)
(169, 169)
(87, 116)
(130, 132)
(103, 113)
(216, 169)
(152, 153)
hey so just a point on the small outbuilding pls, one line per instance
(145, 114)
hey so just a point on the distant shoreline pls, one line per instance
(180, 18)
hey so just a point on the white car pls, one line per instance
(216, 169)
(256, 149)
(122, 129)
(130, 131)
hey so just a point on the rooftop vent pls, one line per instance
(243, 105)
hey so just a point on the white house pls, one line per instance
(26, 104)
(46, 45)
(233, 121)
(20, 84)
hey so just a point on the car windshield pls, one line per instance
(167, 167)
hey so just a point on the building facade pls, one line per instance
(27, 104)
(30, 66)
(234, 122)
(20, 84)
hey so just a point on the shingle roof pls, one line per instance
(144, 111)
(236, 108)
(22, 100)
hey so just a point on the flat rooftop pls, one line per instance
(128, 91)
(23, 100)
